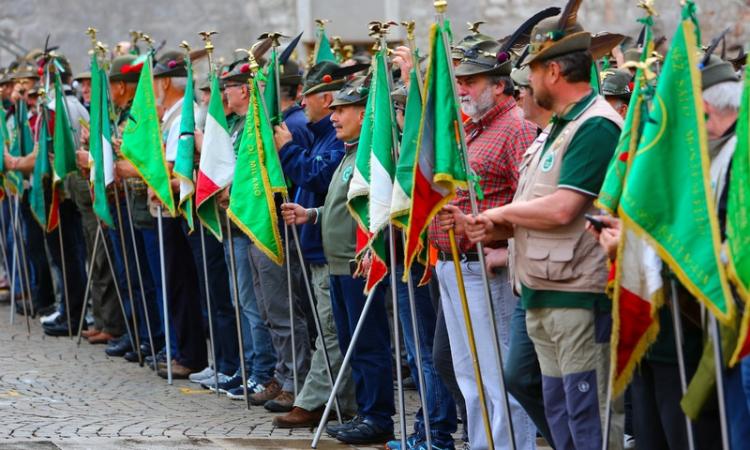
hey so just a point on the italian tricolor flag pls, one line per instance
(371, 188)
(216, 168)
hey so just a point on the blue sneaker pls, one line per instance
(223, 387)
(414, 442)
(238, 393)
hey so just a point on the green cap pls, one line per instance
(458, 49)
(170, 64)
(481, 58)
(557, 36)
(238, 71)
(291, 75)
(633, 54)
(24, 71)
(122, 69)
(616, 83)
(353, 92)
(328, 76)
(716, 71)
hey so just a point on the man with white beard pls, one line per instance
(496, 136)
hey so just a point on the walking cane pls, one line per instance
(440, 7)
(159, 224)
(236, 292)
(124, 251)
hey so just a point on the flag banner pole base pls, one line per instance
(237, 312)
(87, 291)
(165, 306)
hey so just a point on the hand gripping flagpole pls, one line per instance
(440, 7)
(206, 36)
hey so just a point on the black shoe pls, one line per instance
(58, 329)
(21, 309)
(366, 432)
(335, 429)
(119, 346)
(46, 310)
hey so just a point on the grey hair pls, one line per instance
(179, 82)
(508, 87)
(725, 96)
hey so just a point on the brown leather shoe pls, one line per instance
(298, 418)
(271, 391)
(100, 338)
(90, 332)
(178, 371)
(282, 403)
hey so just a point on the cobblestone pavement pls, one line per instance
(55, 395)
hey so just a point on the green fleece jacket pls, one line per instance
(338, 227)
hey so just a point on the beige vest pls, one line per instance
(565, 258)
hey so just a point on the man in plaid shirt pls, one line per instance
(497, 136)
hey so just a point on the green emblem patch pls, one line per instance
(347, 174)
(548, 161)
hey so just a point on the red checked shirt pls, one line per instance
(496, 143)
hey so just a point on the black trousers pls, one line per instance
(183, 297)
(74, 254)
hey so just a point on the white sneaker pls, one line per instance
(47, 320)
(204, 374)
(629, 441)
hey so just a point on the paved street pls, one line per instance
(54, 395)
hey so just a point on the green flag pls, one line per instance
(323, 50)
(100, 143)
(184, 163)
(65, 148)
(21, 145)
(41, 175)
(256, 177)
(4, 143)
(738, 216)
(142, 140)
(271, 92)
(611, 191)
(668, 197)
(595, 78)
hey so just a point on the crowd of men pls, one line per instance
(539, 139)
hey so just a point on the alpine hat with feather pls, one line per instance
(558, 36)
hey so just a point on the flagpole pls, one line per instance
(342, 370)
(440, 7)
(206, 36)
(13, 280)
(138, 269)
(160, 225)
(87, 291)
(24, 269)
(383, 30)
(275, 44)
(678, 335)
(236, 292)
(719, 363)
(470, 334)
(136, 336)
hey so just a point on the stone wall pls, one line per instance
(240, 22)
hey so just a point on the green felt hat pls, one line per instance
(716, 71)
(238, 71)
(24, 71)
(122, 69)
(171, 64)
(481, 59)
(633, 54)
(353, 92)
(616, 82)
(458, 49)
(83, 76)
(557, 36)
(291, 75)
(328, 76)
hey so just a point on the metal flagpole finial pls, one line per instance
(274, 36)
(91, 33)
(185, 46)
(409, 25)
(474, 26)
(206, 36)
(148, 40)
(648, 6)
(322, 22)
(135, 36)
(252, 63)
(101, 48)
(440, 6)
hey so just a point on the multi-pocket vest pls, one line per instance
(566, 258)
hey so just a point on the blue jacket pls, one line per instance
(311, 169)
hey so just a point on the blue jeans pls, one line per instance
(441, 407)
(260, 358)
(151, 245)
(148, 283)
(736, 390)
(371, 361)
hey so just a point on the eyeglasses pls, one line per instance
(226, 86)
